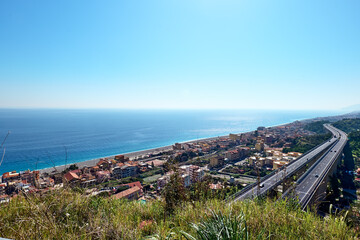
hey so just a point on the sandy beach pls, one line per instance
(136, 154)
(130, 155)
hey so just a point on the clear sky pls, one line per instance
(281, 54)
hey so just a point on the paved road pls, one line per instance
(270, 182)
(311, 180)
(246, 180)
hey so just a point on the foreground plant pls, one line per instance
(220, 227)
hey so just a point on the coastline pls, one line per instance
(130, 155)
(135, 154)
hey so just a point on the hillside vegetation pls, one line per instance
(352, 127)
(316, 127)
(348, 125)
(304, 144)
(67, 214)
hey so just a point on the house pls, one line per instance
(196, 173)
(30, 177)
(4, 198)
(46, 182)
(104, 164)
(216, 161)
(10, 176)
(234, 137)
(232, 155)
(156, 162)
(244, 151)
(121, 158)
(259, 146)
(186, 180)
(162, 181)
(77, 171)
(278, 164)
(131, 193)
(177, 146)
(102, 176)
(216, 186)
(2, 186)
(71, 177)
(126, 170)
(133, 184)
(94, 169)
(58, 178)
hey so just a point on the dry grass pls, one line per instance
(66, 214)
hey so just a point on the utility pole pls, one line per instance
(258, 180)
(284, 182)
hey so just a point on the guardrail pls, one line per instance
(315, 164)
(324, 174)
(309, 170)
(248, 187)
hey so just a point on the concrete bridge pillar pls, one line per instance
(320, 193)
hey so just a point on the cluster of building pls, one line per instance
(106, 169)
(262, 145)
(26, 181)
(134, 192)
(189, 175)
(236, 153)
(203, 147)
(279, 136)
(274, 158)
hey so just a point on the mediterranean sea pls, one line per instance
(42, 138)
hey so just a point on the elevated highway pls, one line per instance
(278, 177)
(311, 187)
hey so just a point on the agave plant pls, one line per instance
(219, 226)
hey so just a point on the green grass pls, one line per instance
(152, 179)
(151, 173)
(66, 214)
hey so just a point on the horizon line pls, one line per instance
(123, 108)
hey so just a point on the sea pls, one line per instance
(43, 138)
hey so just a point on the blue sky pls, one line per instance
(277, 54)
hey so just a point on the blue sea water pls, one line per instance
(39, 137)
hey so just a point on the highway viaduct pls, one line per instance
(305, 178)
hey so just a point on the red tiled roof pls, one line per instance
(101, 162)
(10, 174)
(77, 171)
(133, 184)
(215, 186)
(71, 176)
(126, 192)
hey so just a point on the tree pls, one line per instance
(10, 189)
(174, 192)
(73, 167)
(200, 190)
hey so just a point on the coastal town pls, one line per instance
(228, 161)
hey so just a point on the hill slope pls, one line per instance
(65, 214)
